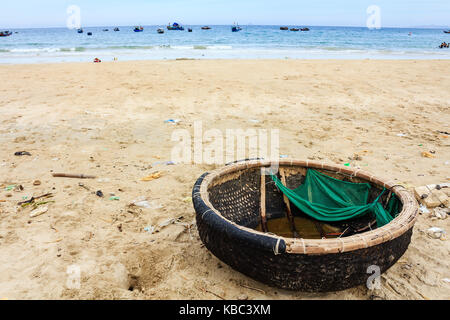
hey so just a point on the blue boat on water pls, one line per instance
(80, 30)
(175, 26)
(138, 29)
(236, 28)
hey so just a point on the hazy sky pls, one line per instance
(52, 13)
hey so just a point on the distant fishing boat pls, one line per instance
(89, 33)
(80, 30)
(160, 30)
(236, 28)
(295, 29)
(206, 28)
(138, 29)
(175, 26)
(5, 33)
(304, 29)
(116, 29)
(105, 30)
(284, 28)
(448, 31)
(189, 30)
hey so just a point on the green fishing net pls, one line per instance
(328, 199)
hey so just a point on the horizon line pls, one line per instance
(248, 24)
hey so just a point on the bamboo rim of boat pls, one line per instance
(402, 223)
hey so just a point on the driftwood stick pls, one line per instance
(263, 204)
(290, 217)
(47, 195)
(76, 176)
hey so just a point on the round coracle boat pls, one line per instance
(259, 224)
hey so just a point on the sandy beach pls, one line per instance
(108, 120)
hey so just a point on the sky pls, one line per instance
(394, 13)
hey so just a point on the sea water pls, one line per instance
(253, 42)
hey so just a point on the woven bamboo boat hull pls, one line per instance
(309, 265)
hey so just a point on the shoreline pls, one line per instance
(6, 64)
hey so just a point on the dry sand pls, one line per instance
(108, 120)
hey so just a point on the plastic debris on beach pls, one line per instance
(433, 195)
(114, 198)
(423, 209)
(187, 199)
(178, 221)
(142, 202)
(152, 177)
(436, 233)
(22, 153)
(441, 213)
(173, 121)
(401, 134)
(166, 163)
(39, 211)
(426, 154)
(150, 229)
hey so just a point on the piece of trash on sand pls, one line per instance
(22, 153)
(153, 176)
(149, 229)
(433, 195)
(173, 121)
(446, 280)
(426, 154)
(441, 213)
(84, 186)
(39, 211)
(347, 164)
(401, 134)
(187, 199)
(99, 193)
(18, 188)
(114, 198)
(27, 202)
(11, 187)
(436, 233)
(36, 183)
(166, 163)
(423, 209)
(143, 203)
